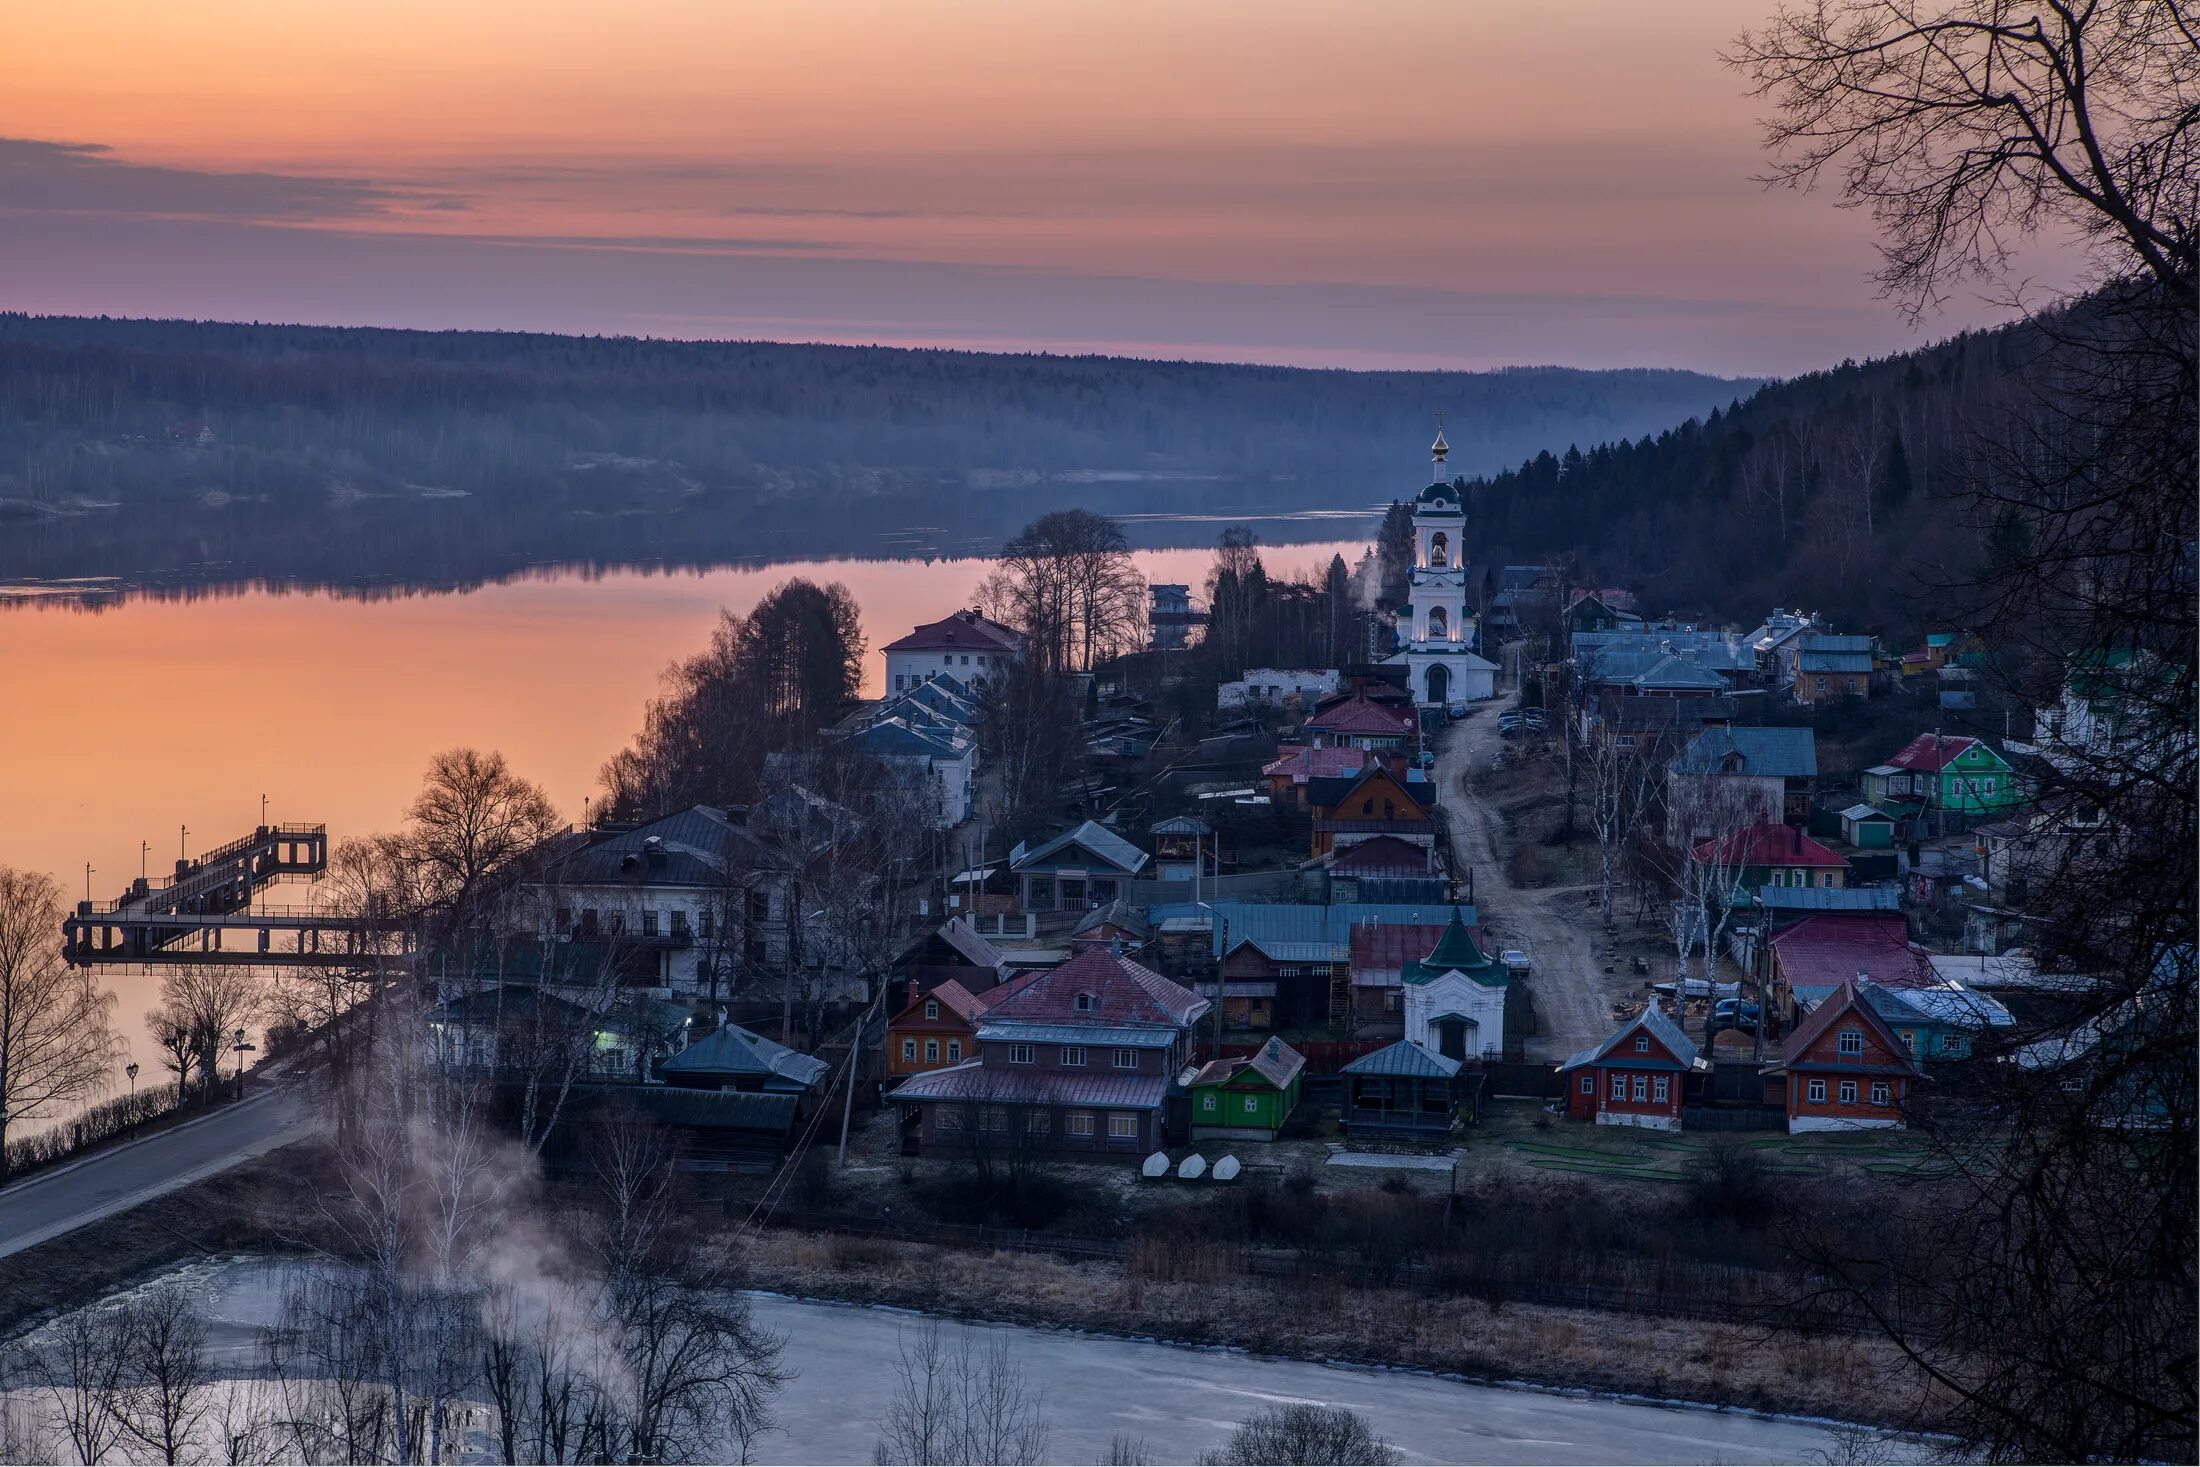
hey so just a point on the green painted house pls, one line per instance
(1952, 773)
(1247, 1098)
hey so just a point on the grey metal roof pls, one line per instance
(1809, 661)
(733, 1050)
(1090, 836)
(1784, 753)
(686, 848)
(1181, 825)
(1862, 811)
(1829, 898)
(1661, 1027)
(974, 1080)
(1276, 922)
(1294, 952)
(1404, 1060)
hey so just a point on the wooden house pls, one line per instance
(1400, 1093)
(1843, 1068)
(952, 951)
(1766, 854)
(1638, 1077)
(1184, 849)
(1249, 1097)
(1280, 982)
(1118, 925)
(1830, 666)
(940, 1028)
(1357, 721)
(1084, 867)
(1079, 1061)
(1771, 771)
(1952, 774)
(1298, 765)
(1376, 961)
(1374, 802)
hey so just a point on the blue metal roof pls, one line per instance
(1404, 1060)
(1785, 753)
(1264, 923)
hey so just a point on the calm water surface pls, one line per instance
(125, 723)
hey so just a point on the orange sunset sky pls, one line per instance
(1388, 182)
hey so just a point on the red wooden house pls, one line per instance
(1843, 1069)
(1635, 1078)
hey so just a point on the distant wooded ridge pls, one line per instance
(319, 452)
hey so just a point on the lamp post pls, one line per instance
(242, 1049)
(183, 843)
(87, 881)
(263, 812)
(145, 855)
(130, 1070)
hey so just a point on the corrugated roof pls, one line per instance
(1766, 844)
(965, 631)
(1027, 1031)
(1829, 948)
(1844, 1000)
(686, 848)
(1275, 1062)
(1385, 855)
(1305, 922)
(733, 1050)
(1093, 838)
(1122, 993)
(1828, 898)
(1808, 661)
(974, 1080)
(1404, 1060)
(1456, 952)
(1930, 753)
(1661, 1028)
(1359, 714)
(1772, 753)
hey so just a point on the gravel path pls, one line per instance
(1572, 995)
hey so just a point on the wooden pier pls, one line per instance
(185, 918)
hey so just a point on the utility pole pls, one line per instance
(1221, 962)
(87, 881)
(855, 1051)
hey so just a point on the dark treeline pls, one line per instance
(338, 453)
(1846, 490)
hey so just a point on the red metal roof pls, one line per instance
(1830, 948)
(1380, 952)
(1385, 855)
(963, 632)
(1022, 1085)
(1931, 753)
(1123, 992)
(1360, 714)
(1766, 844)
(1302, 763)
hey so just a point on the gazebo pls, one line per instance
(1402, 1092)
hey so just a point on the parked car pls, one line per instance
(1515, 961)
(1732, 1013)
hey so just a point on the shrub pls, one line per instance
(1304, 1433)
(1729, 1180)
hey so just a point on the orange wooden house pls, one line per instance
(940, 1028)
(1843, 1069)
(1375, 801)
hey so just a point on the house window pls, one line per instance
(679, 922)
(1393, 998)
(1084, 1003)
(1037, 1121)
(1078, 1123)
(1779, 878)
(931, 1008)
(1659, 1090)
(1252, 1104)
(931, 1051)
(996, 1118)
(1126, 1059)
(589, 920)
(954, 1051)
(1588, 1084)
(1817, 1092)
(946, 1118)
(1879, 1092)
(1207, 1101)
(706, 921)
(1951, 1043)
(1619, 1087)
(1852, 1041)
(1825, 878)
(565, 919)
(1642, 1087)
(1642, 1044)
(1020, 1054)
(618, 922)
(909, 1050)
(1122, 1128)
(760, 905)
(1073, 1056)
(649, 921)
(1848, 1092)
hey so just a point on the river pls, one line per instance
(1180, 1401)
(126, 722)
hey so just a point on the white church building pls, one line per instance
(1436, 631)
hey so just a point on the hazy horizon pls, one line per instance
(1405, 185)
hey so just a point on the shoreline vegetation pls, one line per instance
(262, 1209)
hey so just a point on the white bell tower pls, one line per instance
(1436, 631)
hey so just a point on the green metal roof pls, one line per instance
(1455, 952)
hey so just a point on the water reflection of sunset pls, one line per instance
(155, 715)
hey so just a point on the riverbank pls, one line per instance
(1839, 1377)
(264, 1207)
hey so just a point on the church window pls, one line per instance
(1439, 626)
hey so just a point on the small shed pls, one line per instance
(1248, 1097)
(1867, 827)
(1400, 1092)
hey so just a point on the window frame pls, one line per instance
(1023, 1054)
(1124, 1059)
(1849, 1043)
(1816, 1093)
(1122, 1125)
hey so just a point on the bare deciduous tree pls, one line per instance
(167, 1392)
(955, 1403)
(56, 1048)
(1068, 582)
(473, 817)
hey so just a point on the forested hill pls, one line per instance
(1845, 491)
(403, 452)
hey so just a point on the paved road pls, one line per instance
(1572, 1001)
(1182, 1401)
(52, 1203)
